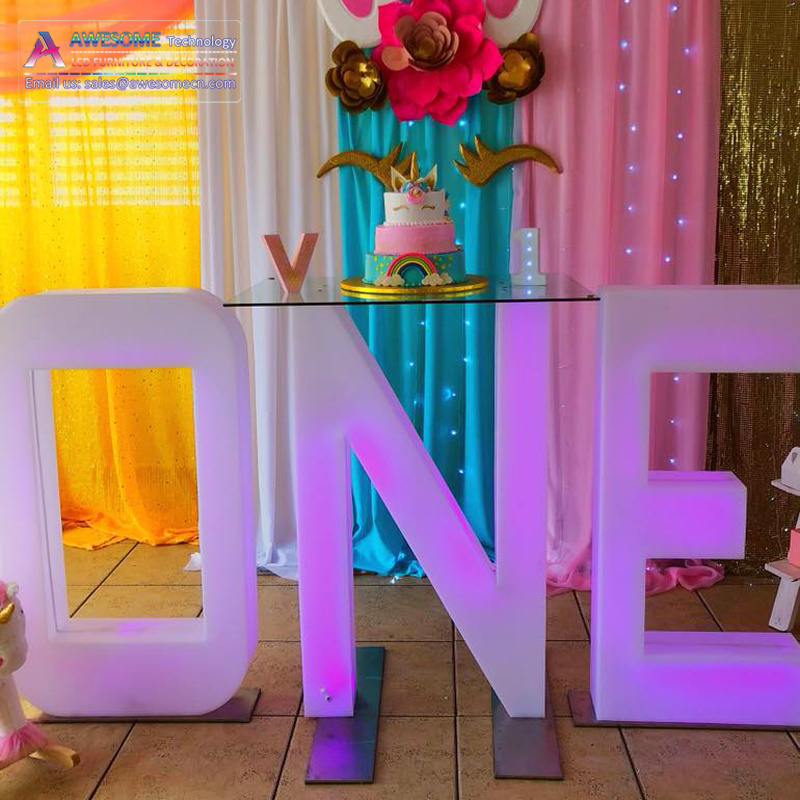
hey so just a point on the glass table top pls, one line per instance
(269, 292)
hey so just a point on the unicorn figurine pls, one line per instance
(19, 737)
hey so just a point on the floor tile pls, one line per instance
(268, 579)
(278, 613)
(473, 695)
(275, 669)
(75, 596)
(91, 567)
(155, 566)
(415, 762)
(763, 577)
(359, 579)
(742, 607)
(33, 780)
(594, 762)
(147, 601)
(678, 610)
(418, 680)
(365, 579)
(564, 621)
(397, 613)
(567, 669)
(175, 761)
(714, 765)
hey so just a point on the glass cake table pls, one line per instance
(269, 292)
(340, 402)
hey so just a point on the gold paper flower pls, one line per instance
(522, 70)
(355, 79)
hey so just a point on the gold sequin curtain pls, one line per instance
(754, 418)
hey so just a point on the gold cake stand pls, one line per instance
(470, 285)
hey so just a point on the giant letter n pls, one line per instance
(341, 402)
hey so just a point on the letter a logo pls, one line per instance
(45, 46)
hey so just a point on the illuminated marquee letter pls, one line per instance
(128, 667)
(683, 677)
(500, 612)
(341, 401)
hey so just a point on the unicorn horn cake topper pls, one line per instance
(19, 737)
(413, 183)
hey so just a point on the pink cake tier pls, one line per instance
(436, 237)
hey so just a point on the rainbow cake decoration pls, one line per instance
(415, 248)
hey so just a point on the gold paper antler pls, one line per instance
(482, 164)
(381, 168)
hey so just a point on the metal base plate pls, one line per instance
(525, 748)
(583, 716)
(344, 748)
(238, 709)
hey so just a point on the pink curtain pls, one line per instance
(629, 107)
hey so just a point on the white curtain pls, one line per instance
(258, 164)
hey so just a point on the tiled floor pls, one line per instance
(435, 735)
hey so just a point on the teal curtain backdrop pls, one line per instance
(438, 359)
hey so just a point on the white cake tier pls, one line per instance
(400, 211)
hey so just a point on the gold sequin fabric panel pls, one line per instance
(754, 418)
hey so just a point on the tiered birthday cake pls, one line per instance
(416, 245)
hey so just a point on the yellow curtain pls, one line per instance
(101, 190)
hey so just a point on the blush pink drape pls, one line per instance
(629, 107)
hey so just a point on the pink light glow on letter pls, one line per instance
(341, 401)
(128, 667)
(684, 677)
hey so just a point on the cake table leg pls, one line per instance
(523, 747)
(341, 686)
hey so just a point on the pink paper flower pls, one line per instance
(434, 56)
(415, 195)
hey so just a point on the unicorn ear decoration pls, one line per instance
(431, 178)
(348, 24)
(19, 737)
(398, 179)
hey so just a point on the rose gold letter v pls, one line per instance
(292, 275)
